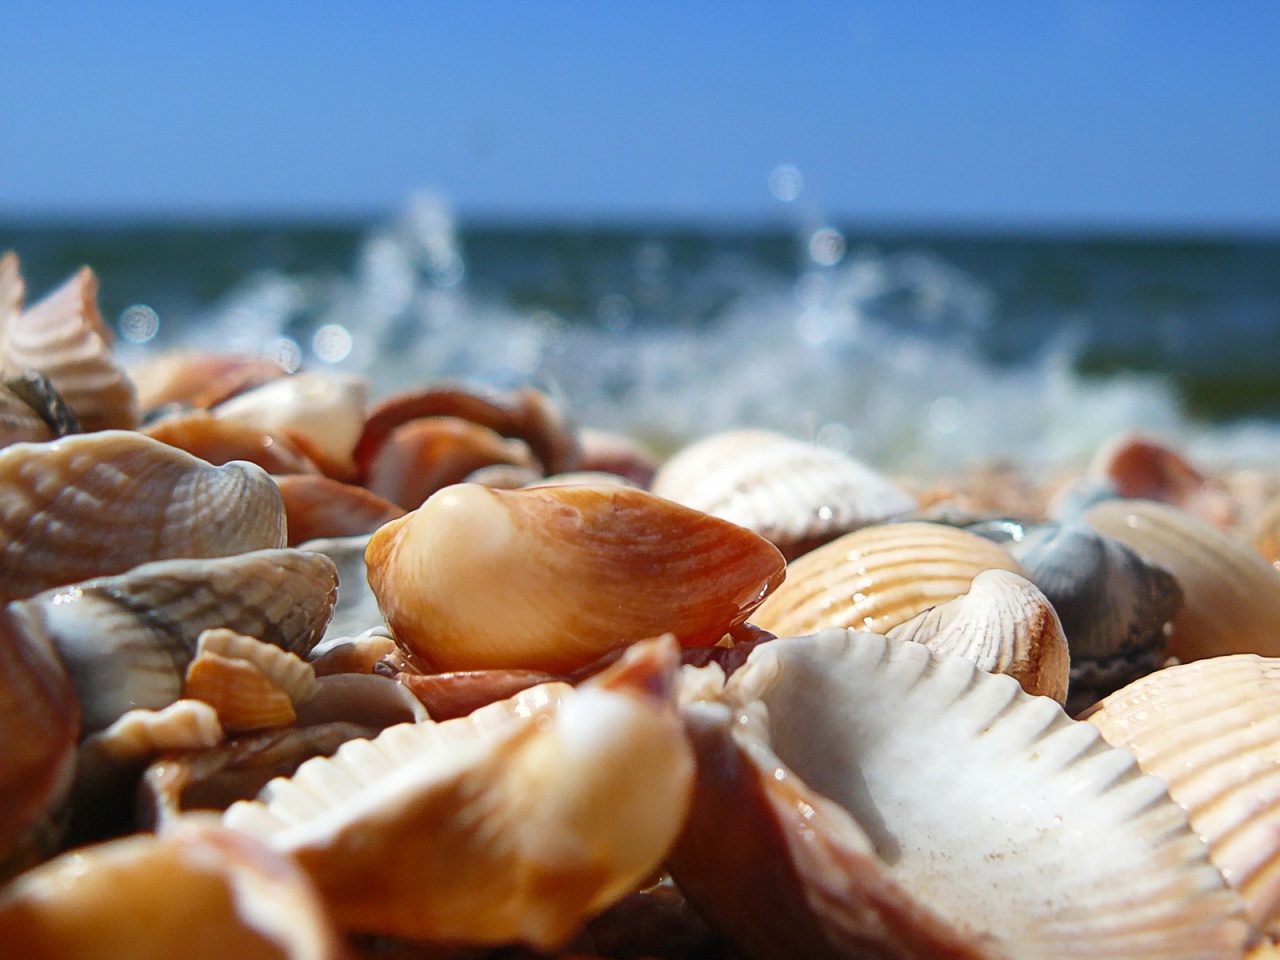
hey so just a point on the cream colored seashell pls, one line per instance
(18, 422)
(142, 734)
(1231, 595)
(64, 338)
(287, 671)
(878, 577)
(100, 504)
(126, 640)
(1211, 730)
(514, 824)
(351, 654)
(858, 795)
(200, 892)
(12, 289)
(551, 578)
(1004, 624)
(244, 697)
(797, 495)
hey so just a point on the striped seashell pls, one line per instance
(797, 495)
(879, 577)
(241, 693)
(357, 608)
(288, 672)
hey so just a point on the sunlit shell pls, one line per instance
(319, 507)
(220, 441)
(878, 577)
(1211, 730)
(859, 796)
(200, 380)
(127, 640)
(1004, 624)
(550, 578)
(1231, 595)
(515, 824)
(99, 504)
(286, 670)
(1144, 468)
(12, 289)
(200, 892)
(798, 495)
(64, 338)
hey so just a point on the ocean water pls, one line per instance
(913, 351)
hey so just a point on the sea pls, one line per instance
(912, 349)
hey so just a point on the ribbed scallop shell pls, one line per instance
(64, 338)
(141, 734)
(1211, 730)
(100, 504)
(797, 495)
(286, 670)
(550, 578)
(878, 577)
(251, 684)
(973, 805)
(1231, 595)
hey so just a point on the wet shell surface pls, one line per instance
(879, 577)
(966, 804)
(1211, 730)
(797, 495)
(551, 578)
(99, 504)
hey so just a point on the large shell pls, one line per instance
(797, 495)
(856, 793)
(878, 577)
(99, 504)
(1211, 730)
(64, 338)
(514, 824)
(550, 578)
(1231, 594)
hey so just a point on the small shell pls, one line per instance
(1004, 624)
(878, 577)
(142, 734)
(18, 422)
(1143, 468)
(219, 441)
(12, 289)
(200, 380)
(241, 692)
(351, 654)
(99, 504)
(295, 677)
(550, 578)
(618, 454)
(1231, 595)
(797, 495)
(318, 507)
(1266, 533)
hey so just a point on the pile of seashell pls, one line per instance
(287, 673)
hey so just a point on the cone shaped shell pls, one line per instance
(1211, 730)
(550, 578)
(99, 504)
(878, 577)
(797, 495)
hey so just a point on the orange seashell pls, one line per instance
(550, 578)
(244, 696)
(200, 380)
(615, 453)
(218, 441)
(320, 507)
(448, 696)
(1143, 468)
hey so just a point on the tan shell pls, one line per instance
(288, 672)
(554, 804)
(200, 892)
(878, 577)
(1004, 624)
(797, 495)
(1266, 533)
(550, 578)
(99, 504)
(240, 691)
(142, 734)
(220, 441)
(64, 338)
(346, 654)
(618, 454)
(1211, 730)
(318, 507)
(200, 380)
(1231, 596)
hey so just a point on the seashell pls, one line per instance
(505, 476)
(1004, 624)
(241, 692)
(43, 399)
(12, 289)
(448, 696)
(1266, 532)
(581, 478)
(318, 507)
(1143, 468)
(19, 423)
(367, 699)
(617, 454)
(422, 456)
(550, 578)
(99, 504)
(878, 577)
(1211, 730)
(358, 654)
(288, 672)
(64, 338)
(857, 795)
(200, 380)
(200, 891)
(1231, 596)
(357, 608)
(126, 640)
(555, 804)
(220, 441)
(525, 414)
(1115, 607)
(797, 495)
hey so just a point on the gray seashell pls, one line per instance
(357, 608)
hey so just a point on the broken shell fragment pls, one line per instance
(551, 578)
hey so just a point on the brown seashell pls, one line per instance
(219, 441)
(878, 577)
(448, 696)
(64, 338)
(365, 698)
(200, 380)
(797, 495)
(244, 697)
(425, 455)
(550, 578)
(1231, 596)
(618, 454)
(1211, 730)
(1143, 468)
(358, 654)
(318, 507)
(18, 422)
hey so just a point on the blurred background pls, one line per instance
(925, 233)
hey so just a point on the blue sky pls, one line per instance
(1064, 112)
